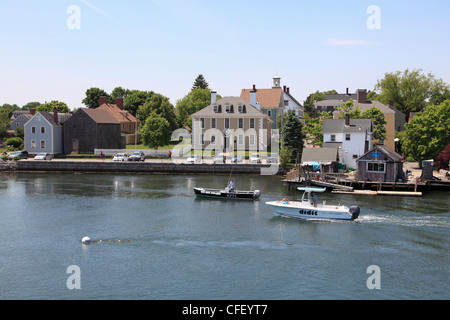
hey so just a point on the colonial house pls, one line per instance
(395, 120)
(230, 123)
(129, 124)
(274, 101)
(20, 120)
(43, 133)
(380, 164)
(90, 129)
(351, 137)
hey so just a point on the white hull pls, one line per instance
(302, 210)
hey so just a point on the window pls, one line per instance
(33, 144)
(355, 156)
(42, 144)
(347, 137)
(202, 122)
(240, 109)
(333, 138)
(286, 103)
(203, 139)
(213, 123)
(227, 108)
(241, 139)
(241, 123)
(269, 113)
(252, 123)
(42, 129)
(227, 123)
(252, 139)
(375, 167)
(216, 109)
(33, 129)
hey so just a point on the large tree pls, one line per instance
(411, 90)
(292, 133)
(200, 83)
(118, 92)
(156, 131)
(194, 101)
(313, 128)
(428, 133)
(313, 97)
(50, 106)
(135, 99)
(159, 105)
(93, 97)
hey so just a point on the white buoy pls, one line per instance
(86, 240)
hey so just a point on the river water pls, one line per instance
(159, 242)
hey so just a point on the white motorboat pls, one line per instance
(307, 208)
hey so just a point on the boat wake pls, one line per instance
(263, 245)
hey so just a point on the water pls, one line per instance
(159, 242)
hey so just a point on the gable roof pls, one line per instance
(48, 116)
(231, 101)
(268, 98)
(100, 115)
(319, 154)
(338, 125)
(119, 114)
(386, 150)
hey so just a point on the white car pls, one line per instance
(43, 156)
(254, 158)
(193, 158)
(120, 157)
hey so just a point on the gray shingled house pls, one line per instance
(90, 129)
(380, 164)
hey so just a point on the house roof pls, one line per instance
(119, 114)
(231, 101)
(100, 115)
(268, 98)
(319, 154)
(49, 117)
(338, 125)
(386, 150)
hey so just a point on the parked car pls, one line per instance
(21, 154)
(219, 158)
(120, 157)
(43, 156)
(255, 158)
(193, 158)
(236, 158)
(137, 156)
(272, 158)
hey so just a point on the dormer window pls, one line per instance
(227, 108)
(216, 108)
(240, 109)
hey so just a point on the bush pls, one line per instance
(14, 142)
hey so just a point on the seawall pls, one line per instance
(130, 167)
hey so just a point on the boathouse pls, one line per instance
(381, 164)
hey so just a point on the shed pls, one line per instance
(381, 164)
(326, 157)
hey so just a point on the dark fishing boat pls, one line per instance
(227, 194)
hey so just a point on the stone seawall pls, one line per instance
(142, 167)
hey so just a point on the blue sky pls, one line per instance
(162, 45)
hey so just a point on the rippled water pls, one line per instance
(160, 242)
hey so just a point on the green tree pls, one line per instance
(348, 108)
(135, 99)
(292, 133)
(156, 131)
(314, 97)
(200, 83)
(379, 122)
(31, 105)
(160, 105)
(93, 97)
(118, 92)
(428, 133)
(49, 107)
(313, 128)
(194, 101)
(15, 142)
(286, 156)
(411, 90)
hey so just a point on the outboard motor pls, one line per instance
(257, 194)
(354, 211)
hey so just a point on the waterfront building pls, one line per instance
(381, 164)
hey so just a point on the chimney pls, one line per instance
(119, 103)
(362, 95)
(55, 114)
(347, 91)
(253, 99)
(213, 97)
(33, 112)
(287, 90)
(347, 120)
(284, 88)
(102, 100)
(254, 87)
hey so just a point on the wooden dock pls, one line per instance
(379, 193)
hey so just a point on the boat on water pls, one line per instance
(308, 208)
(227, 193)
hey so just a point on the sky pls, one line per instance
(57, 49)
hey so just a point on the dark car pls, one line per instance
(137, 156)
(20, 154)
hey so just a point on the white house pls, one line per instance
(352, 138)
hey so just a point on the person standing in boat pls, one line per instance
(231, 185)
(315, 200)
